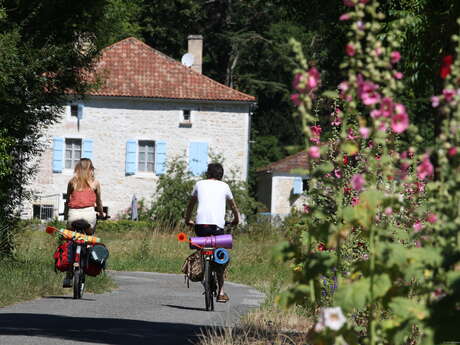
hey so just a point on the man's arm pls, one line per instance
(236, 214)
(189, 210)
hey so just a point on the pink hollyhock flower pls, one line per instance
(364, 131)
(295, 98)
(313, 79)
(343, 87)
(367, 91)
(378, 51)
(435, 101)
(448, 94)
(399, 123)
(345, 16)
(417, 226)
(388, 211)
(360, 25)
(306, 208)
(349, 3)
(338, 173)
(354, 201)
(298, 83)
(364, 1)
(395, 57)
(350, 49)
(398, 75)
(383, 126)
(314, 152)
(400, 120)
(386, 107)
(357, 182)
(431, 218)
(337, 121)
(425, 168)
(452, 151)
(376, 113)
(316, 132)
(351, 134)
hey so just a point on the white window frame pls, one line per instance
(145, 162)
(72, 160)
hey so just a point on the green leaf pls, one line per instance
(382, 283)
(331, 94)
(406, 308)
(349, 148)
(353, 295)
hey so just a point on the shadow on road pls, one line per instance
(182, 307)
(98, 330)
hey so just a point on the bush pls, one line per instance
(174, 189)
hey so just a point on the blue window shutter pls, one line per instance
(160, 157)
(87, 150)
(198, 158)
(298, 186)
(58, 154)
(80, 111)
(131, 157)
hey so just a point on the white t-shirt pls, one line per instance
(212, 196)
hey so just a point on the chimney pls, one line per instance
(195, 47)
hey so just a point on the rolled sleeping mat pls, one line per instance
(219, 241)
(221, 256)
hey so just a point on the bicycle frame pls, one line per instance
(209, 277)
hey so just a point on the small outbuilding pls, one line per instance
(281, 187)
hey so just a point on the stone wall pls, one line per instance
(283, 201)
(111, 121)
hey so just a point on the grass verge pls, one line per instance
(29, 273)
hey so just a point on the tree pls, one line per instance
(44, 47)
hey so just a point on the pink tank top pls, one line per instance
(82, 198)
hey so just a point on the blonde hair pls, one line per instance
(83, 174)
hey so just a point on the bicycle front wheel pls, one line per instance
(78, 284)
(208, 295)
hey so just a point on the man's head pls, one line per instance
(215, 171)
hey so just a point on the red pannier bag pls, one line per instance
(63, 257)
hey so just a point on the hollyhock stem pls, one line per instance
(371, 330)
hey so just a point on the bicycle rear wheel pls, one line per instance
(78, 284)
(208, 294)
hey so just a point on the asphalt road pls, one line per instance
(147, 308)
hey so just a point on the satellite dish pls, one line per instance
(187, 60)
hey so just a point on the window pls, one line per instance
(74, 110)
(146, 156)
(43, 211)
(186, 119)
(72, 152)
(186, 116)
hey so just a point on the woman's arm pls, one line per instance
(99, 207)
(66, 205)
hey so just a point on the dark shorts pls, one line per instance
(203, 230)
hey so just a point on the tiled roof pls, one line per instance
(133, 69)
(287, 164)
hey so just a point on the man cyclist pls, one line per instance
(212, 196)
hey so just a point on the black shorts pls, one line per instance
(203, 230)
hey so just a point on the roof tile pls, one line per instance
(133, 69)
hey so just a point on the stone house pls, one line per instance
(280, 188)
(148, 109)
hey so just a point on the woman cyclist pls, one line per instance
(83, 195)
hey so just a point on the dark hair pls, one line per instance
(215, 170)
